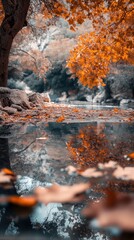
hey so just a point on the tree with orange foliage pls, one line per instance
(110, 41)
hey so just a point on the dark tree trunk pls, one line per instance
(14, 21)
(5, 46)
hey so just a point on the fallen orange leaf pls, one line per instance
(27, 201)
(61, 194)
(116, 110)
(131, 155)
(7, 171)
(60, 119)
(75, 110)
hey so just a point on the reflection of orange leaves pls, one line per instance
(27, 201)
(88, 147)
(61, 194)
(91, 146)
(115, 210)
(60, 119)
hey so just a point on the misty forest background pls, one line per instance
(38, 63)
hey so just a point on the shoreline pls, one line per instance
(53, 112)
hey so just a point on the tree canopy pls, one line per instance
(110, 41)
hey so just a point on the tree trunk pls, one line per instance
(14, 21)
(5, 46)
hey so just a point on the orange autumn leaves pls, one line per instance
(88, 147)
(91, 146)
(113, 209)
(111, 41)
(60, 119)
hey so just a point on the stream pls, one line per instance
(39, 155)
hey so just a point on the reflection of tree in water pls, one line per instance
(91, 146)
(9, 221)
(12, 223)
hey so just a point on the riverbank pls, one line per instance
(52, 112)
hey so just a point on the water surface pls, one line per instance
(39, 154)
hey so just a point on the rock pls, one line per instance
(128, 102)
(89, 98)
(35, 113)
(19, 108)
(13, 96)
(100, 97)
(20, 98)
(10, 110)
(4, 90)
(38, 99)
(63, 97)
(111, 101)
(46, 97)
(1, 119)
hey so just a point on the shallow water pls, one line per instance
(95, 106)
(39, 155)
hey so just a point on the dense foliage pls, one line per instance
(110, 41)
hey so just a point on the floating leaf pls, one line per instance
(26, 201)
(117, 209)
(7, 171)
(110, 164)
(126, 173)
(61, 194)
(131, 155)
(89, 172)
